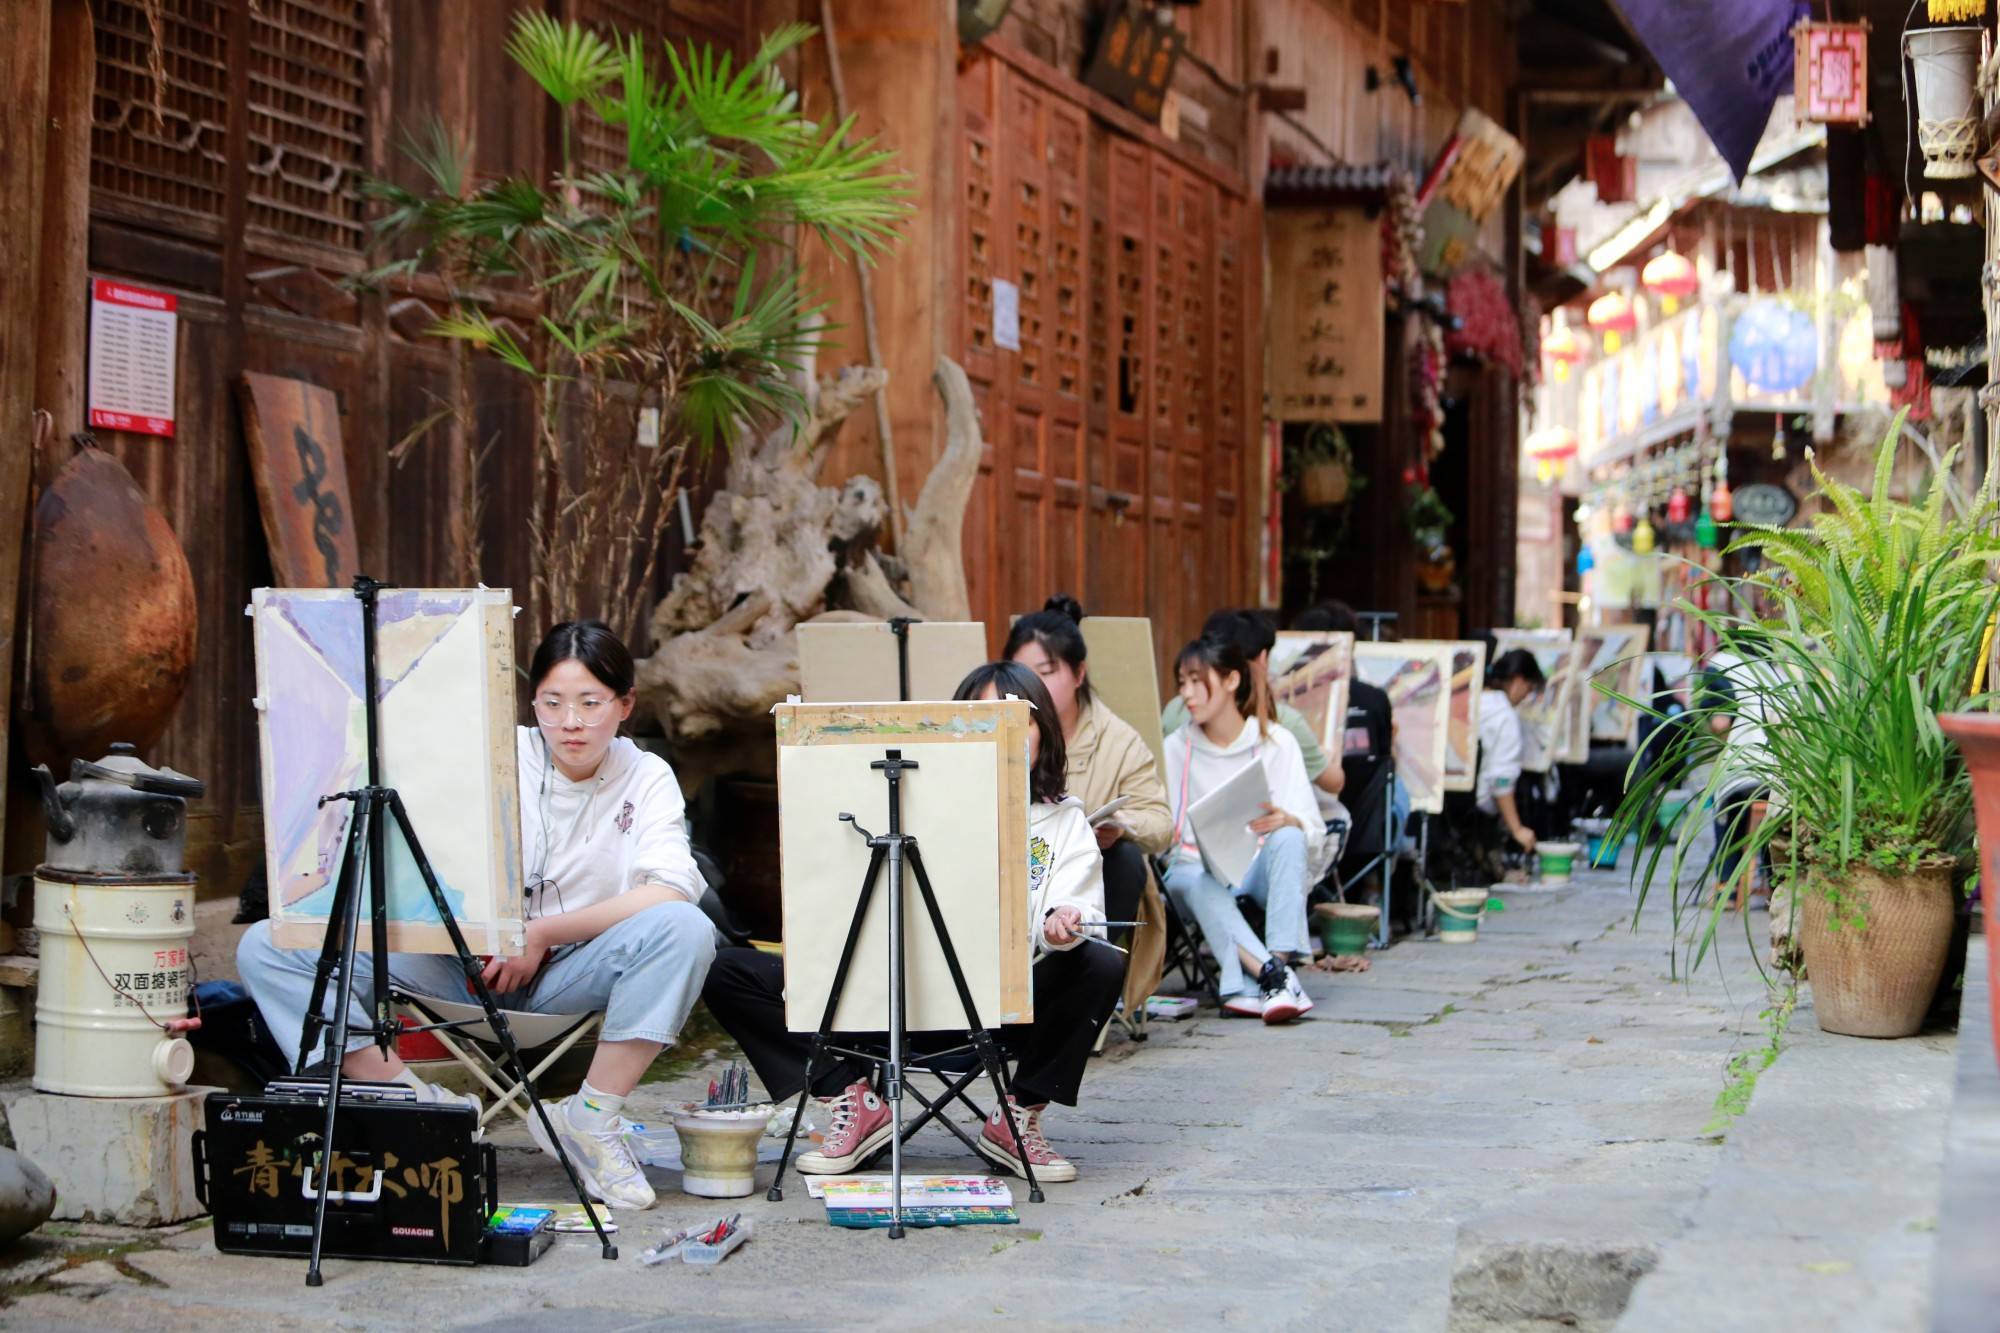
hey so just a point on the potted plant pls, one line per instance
(671, 309)
(1428, 517)
(1828, 709)
(1324, 466)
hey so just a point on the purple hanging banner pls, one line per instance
(1729, 58)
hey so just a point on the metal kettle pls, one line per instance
(118, 816)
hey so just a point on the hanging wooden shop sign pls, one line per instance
(1133, 63)
(300, 469)
(1830, 72)
(1325, 351)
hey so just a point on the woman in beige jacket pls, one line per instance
(1107, 760)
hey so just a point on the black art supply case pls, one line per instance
(408, 1181)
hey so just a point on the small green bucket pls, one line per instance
(1459, 911)
(1346, 928)
(1558, 859)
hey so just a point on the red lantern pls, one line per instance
(1677, 506)
(1550, 448)
(1563, 349)
(1611, 316)
(1722, 505)
(1671, 278)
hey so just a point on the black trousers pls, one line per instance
(1124, 880)
(1075, 991)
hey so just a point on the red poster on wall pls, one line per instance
(134, 335)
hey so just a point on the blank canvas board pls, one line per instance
(1125, 674)
(967, 805)
(445, 659)
(857, 662)
(1417, 679)
(1310, 671)
(1468, 679)
(1613, 656)
(1222, 819)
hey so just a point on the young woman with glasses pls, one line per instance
(612, 924)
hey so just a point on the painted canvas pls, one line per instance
(1468, 678)
(1548, 720)
(445, 660)
(1614, 657)
(1310, 671)
(967, 805)
(1417, 679)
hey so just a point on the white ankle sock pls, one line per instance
(592, 1109)
(409, 1078)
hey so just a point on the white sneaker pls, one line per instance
(603, 1158)
(1248, 1005)
(436, 1094)
(1288, 1002)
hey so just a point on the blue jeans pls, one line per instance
(1276, 879)
(643, 974)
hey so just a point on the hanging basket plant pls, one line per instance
(1323, 467)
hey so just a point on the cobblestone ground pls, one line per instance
(1552, 1075)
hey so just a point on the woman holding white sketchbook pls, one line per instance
(1223, 737)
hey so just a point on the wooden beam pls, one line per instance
(24, 72)
(63, 307)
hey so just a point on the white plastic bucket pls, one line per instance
(114, 966)
(1944, 66)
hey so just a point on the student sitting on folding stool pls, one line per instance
(612, 921)
(1076, 980)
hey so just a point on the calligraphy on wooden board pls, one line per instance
(1326, 348)
(293, 429)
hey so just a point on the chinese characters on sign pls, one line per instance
(263, 1172)
(1326, 315)
(133, 332)
(1134, 62)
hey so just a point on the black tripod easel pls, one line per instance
(367, 844)
(895, 849)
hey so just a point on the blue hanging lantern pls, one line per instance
(1585, 561)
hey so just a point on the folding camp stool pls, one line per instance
(462, 1030)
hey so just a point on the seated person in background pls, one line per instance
(1513, 677)
(1076, 980)
(1253, 634)
(1106, 757)
(612, 922)
(1218, 741)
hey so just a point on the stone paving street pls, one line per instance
(1527, 1112)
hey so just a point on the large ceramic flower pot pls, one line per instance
(1877, 979)
(1978, 737)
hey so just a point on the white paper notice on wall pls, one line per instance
(1006, 315)
(133, 339)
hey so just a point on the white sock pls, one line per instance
(409, 1079)
(594, 1110)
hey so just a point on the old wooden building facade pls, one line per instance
(1101, 278)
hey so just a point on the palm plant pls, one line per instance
(670, 308)
(1881, 613)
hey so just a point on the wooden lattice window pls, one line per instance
(979, 242)
(308, 121)
(166, 153)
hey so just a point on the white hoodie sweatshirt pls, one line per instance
(1064, 867)
(587, 842)
(1196, 766)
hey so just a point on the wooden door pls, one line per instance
(1117, 431)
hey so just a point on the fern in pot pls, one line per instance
(1828, 709)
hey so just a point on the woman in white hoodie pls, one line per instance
(1076, 979)
(612, 923)
(1218, 741)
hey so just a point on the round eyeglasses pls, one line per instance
(553, 712)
